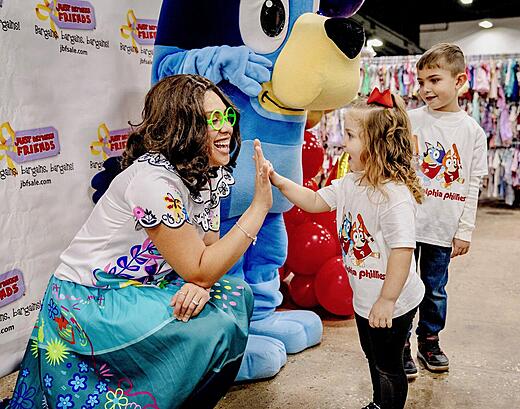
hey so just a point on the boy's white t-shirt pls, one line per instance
(452, 148)
(369, 226)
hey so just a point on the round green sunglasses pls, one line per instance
(217, 119)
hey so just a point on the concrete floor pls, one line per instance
(482, 340)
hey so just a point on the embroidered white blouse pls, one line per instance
(112, 242)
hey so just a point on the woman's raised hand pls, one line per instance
(263, 192)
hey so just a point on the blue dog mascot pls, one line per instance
(275, 59)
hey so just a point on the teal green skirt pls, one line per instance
(120, 347)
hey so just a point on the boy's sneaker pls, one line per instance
(430, 354)
(409, 365)
(371, 405)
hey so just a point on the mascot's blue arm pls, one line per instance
(238, 65)
(232, 68)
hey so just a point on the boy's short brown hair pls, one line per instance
(443, 55)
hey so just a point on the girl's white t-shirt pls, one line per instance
(113, 242)
(370, 224)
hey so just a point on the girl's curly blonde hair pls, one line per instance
(388, 152)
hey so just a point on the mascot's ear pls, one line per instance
(101, 180)
(339, 8)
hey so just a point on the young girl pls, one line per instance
(375, 213)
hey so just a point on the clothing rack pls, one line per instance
(395, 59)
(514, 144)
(503, 179)
(483, 57)
(398, 59)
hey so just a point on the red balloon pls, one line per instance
(328, 220)
(295, 217)
(312, 155)
(310, 245)
(311, 184)
(332, 288)
(301, 290)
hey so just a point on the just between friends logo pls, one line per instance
(67, 14)
(140, 34)
(17, 147)
(109, 143)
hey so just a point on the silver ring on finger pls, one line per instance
(195, 302)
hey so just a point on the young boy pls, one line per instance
(452, 150)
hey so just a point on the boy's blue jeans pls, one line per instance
(432, 262)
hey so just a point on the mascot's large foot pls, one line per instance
(263, 358)
(298, 330)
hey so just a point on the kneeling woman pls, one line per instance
(138, 313)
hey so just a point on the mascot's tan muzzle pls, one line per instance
(318, 67)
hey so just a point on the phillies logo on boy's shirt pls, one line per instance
(451, 165)
(437, 164)
(432, 160)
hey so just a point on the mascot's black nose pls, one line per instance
(346, 34)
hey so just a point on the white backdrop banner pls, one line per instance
(72, 74)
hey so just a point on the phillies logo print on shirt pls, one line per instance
(361, 239)
(344, 234)
(437, 164)
(356, 241)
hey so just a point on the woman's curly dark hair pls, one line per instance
(175, 125)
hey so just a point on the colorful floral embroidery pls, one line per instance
(214, 220)
(52, 309)
(225, 293)
(92, 400)
(222, 189)
(65, 401)
(176, 207)
(142, 257)
(116, 400)
(104, 372)
(22, 397)
(138, 213)
(209, 218)
(157, 159)
(78, 382)
(47, 380)
(34, 348)
(219, 187)
(83, 366)
(101, 387)
(146, 219)
(56, 352)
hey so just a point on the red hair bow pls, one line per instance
(381, 98)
